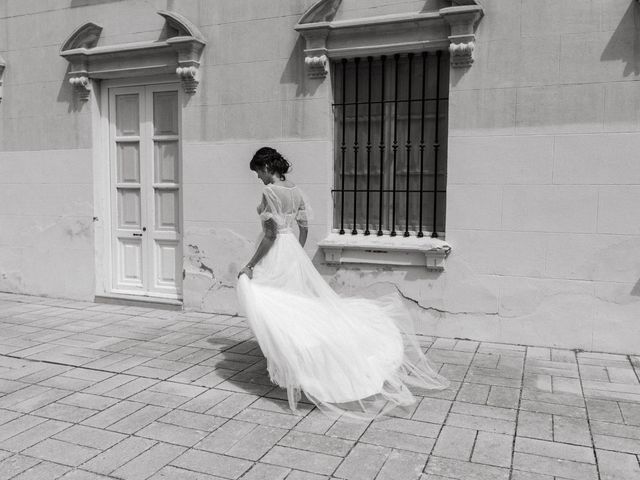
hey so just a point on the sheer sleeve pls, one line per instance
(265, 209)
(270, 206)
(304, 213)
(270, 212)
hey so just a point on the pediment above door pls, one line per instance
(177, 52)
(332, 31)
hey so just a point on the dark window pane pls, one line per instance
(370, 112)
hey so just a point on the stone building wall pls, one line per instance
(542, 179)
(46, 199)
(543, 182)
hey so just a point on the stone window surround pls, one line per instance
(326, 39)
(178, 54)
(451, 27)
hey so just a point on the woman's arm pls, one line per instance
(270, 233)
(302, 218)
(302, 237)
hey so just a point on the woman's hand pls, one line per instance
(248, 271)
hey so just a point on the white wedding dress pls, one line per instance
(352, 356)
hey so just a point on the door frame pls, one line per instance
(102, 216)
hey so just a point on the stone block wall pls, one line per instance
(543, 182)
(543, 185)
(46, 189)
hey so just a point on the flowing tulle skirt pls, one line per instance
(352, 356)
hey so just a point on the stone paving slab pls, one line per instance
(91, 391)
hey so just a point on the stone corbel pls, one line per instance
(332, 255)
(461, 51)
(188, 69)
(435, 259)
(314, 28)
(2, 67)
(315, 57)
(463, 20)
(316, 65)
(82, 86)
(188, 77)
(189, 43)
(79, 78)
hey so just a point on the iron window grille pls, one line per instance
(390, 117)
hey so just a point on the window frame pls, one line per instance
(423, 142)
(328, 40)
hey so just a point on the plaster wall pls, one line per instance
(541, 179)
(543, 182)
(46, 190)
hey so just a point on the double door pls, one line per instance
(144, 152)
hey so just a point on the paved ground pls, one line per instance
(92, 391)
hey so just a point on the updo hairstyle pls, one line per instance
(271, 159)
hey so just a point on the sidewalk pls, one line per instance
(91, 391)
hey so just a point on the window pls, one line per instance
(390, 117)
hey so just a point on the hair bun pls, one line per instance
(272, 159)
(280, 165)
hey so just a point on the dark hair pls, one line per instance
(271, 159)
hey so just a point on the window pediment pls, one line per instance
(85, 36)
(178, 53)
(330, 38)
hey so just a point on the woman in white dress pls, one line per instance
(352, 356)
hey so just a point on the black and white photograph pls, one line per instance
(320, 239)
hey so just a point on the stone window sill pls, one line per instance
(385, 250)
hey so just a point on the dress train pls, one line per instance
(350, 356)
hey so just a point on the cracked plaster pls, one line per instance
(463, 303)
(213, 258)
(459, 302)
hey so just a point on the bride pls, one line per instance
(352, 356)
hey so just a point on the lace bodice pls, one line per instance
(284, 205)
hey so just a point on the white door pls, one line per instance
(144, 152)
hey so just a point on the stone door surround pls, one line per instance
(177, 54)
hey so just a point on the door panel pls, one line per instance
(166, 162)
(167, 210)
(128, 114)
(129, 209)
(165, 113)
(130, 271)
(146, 192)
(167, 261)
(128, 162)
